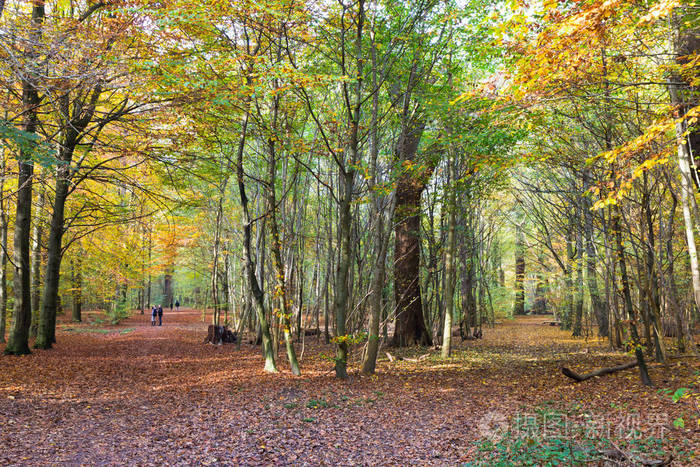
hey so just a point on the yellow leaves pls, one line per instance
(550, 5)
(648, 164)
(660, 9)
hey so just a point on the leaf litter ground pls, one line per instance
(142, 395)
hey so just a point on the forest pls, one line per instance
(380, 232)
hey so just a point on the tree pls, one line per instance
(18, 343)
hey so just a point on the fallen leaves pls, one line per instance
(156, 395)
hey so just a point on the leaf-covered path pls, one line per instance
(136, 394)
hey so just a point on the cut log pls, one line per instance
(603, 371)
(218, 335)
(551, 323)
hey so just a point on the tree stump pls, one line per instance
(220, 335)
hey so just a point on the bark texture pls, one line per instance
(410, 324)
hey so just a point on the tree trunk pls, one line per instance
(18, 343)
(684, 156)
(568, 311)
(215, 263)
(149, 285)
(519, 306)
(597, 304)
(281, 292)
(539, 304)
(37, 233)
(168, 286)
(340, 301)
(3, 250)
(77, 286)
(685, 44)
(578, 296)
(46, 334)
(627, 297)
(72, 128)
(268, 351)
(410, 325)
(380, 238)
(450, 276)
(653, 294)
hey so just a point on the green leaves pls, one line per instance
(27, 143)
(680, 393)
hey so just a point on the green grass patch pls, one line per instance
(88, 330)
(551, 437)
(317, 404)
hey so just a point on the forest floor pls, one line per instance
(136, 394)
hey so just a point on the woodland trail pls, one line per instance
(140, 395)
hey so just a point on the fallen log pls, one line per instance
(399, 358)
(603, 371)
(218, 335)
(617, 454)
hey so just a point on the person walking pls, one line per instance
(160, 315)
(154, 312)
(171, 306)
(177, 305)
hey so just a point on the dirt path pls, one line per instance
(137, 394)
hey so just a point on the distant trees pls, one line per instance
(380, 171)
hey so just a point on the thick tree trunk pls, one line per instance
(410, 325)
(18, 343)
(46, 334)
(73, 126)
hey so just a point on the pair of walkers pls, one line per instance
(157, 311)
